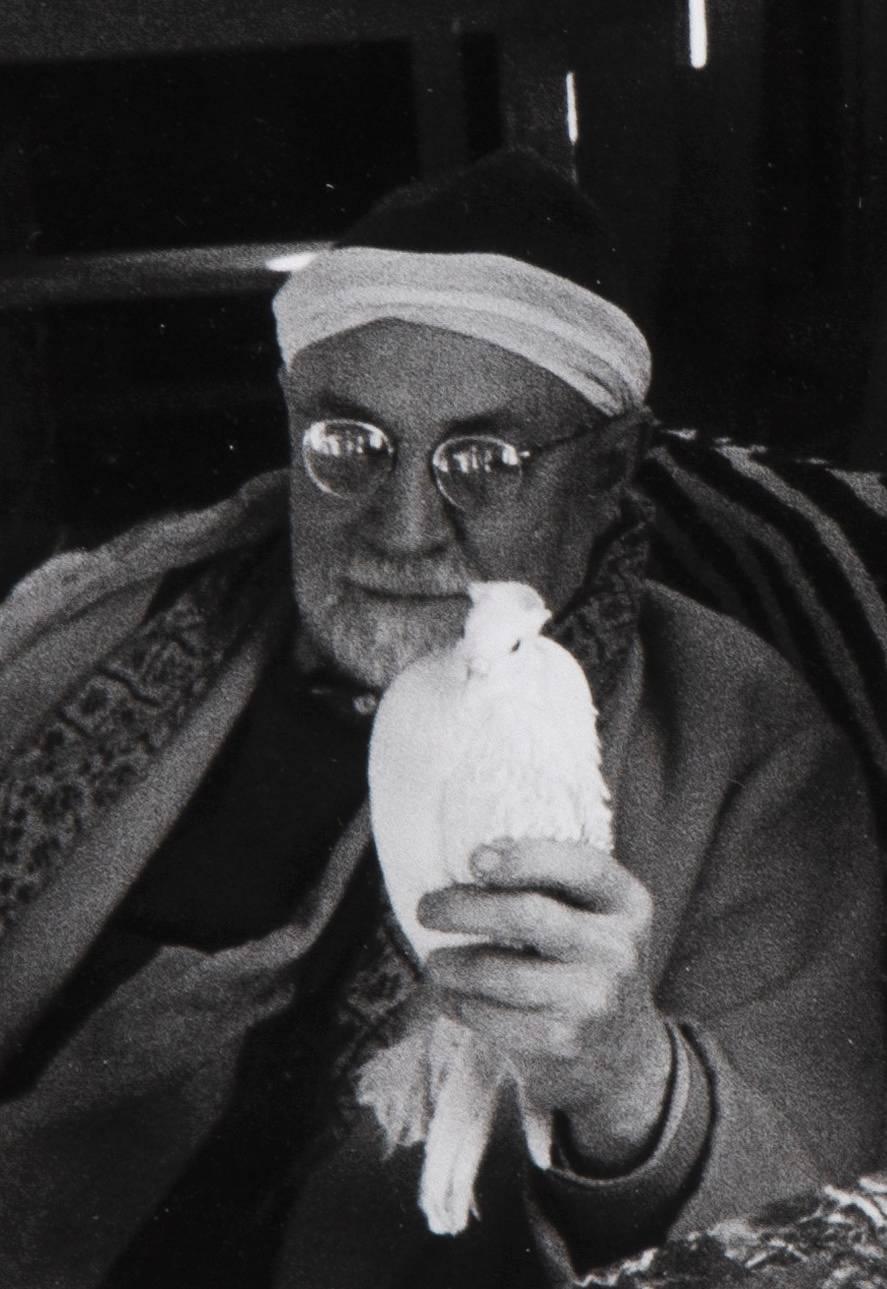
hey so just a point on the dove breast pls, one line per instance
(459, 758)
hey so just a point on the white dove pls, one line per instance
(495, 737)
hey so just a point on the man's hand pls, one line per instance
(559, 984)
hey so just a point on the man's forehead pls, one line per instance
(389, 365)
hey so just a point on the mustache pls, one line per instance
(411, 577)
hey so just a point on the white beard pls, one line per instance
(372, 640)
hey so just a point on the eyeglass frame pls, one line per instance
(525, 455)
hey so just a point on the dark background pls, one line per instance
(749, 197)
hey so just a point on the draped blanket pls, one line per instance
(101, 682)
(795, 550)
(836, 1238)
(103, 736)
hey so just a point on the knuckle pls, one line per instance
(623, 942)
(599, 867)
(570, 935)
(537, 908)
(601, 997)
(452, 1004)
(625, 960)
(565, 1040)
(520, 916)
(643, 908)
(623, 968)
(438, 967)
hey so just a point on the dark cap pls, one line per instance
(509, 203)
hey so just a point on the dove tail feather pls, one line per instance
(537, 1130)
(438, 1085)
(394, 1084)
(466, 1082)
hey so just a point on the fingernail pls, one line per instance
(485, 861)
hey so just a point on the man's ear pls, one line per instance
(625, 441)
(639, 433)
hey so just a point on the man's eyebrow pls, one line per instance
(493, 422)
(326, 403)
(329, 403)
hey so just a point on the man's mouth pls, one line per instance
(409, 595)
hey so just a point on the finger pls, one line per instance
(509, 919)
(508, 978)
(576, 872)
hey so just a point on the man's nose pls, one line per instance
(407, 516)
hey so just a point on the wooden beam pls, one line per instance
(439, 97)
(533, 79)
(869, 449)
(720, 118)
(28, 281)
(32, 31)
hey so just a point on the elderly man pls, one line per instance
(198, 955)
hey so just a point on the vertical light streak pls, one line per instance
(698, 34)
(572, 110)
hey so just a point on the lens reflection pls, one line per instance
(473, 473)
(346, 458)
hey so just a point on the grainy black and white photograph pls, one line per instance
(443, 644)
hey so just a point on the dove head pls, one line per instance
(502, 616)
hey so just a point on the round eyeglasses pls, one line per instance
(351, 459)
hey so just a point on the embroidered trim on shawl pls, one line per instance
(599, 624)
(103, 737)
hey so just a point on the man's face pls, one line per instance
(382, 579)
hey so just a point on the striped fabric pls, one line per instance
(797, 551)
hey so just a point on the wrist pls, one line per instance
(597, 1218)
(613, 1133)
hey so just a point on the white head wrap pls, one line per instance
(578, 336)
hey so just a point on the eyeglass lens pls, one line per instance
(346, 458)
(473, 473)
(350, 459)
